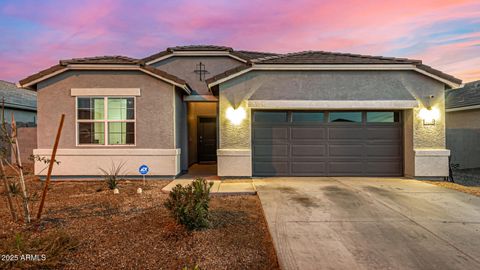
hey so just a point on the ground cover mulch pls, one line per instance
(92, 228)
(474, 190)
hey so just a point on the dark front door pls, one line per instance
(207, 139)
(327, 143)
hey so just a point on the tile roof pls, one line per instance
(322, 57)
(250, 55)
(468, 95)
(102, 60)
(17, 97)
(227, 73)
(246, 55)
(107, 59)
(200, 48)
(335, 58)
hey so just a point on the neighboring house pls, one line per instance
(463, 125)
(20, 102)
(310, 113)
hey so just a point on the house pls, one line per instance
(21, 103)
(463, 127)
(310, 113)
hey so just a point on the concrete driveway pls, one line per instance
(370, 223)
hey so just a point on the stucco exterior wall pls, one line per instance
(184, 67)
(154, 108)
(469, 119)
(463, 138)
(339, 85)
(156, 144)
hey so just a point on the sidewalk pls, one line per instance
(226, 187)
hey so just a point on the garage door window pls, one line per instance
(383, 117)
(307, 117)
(270, 117)
(345, 117)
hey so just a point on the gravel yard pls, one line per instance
(131, 230)
(474, 190)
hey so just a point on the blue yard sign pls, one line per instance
(143, 169)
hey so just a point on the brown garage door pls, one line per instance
(333, 143)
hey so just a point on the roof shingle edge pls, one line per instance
(102, 60)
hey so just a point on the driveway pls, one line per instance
(370, 223)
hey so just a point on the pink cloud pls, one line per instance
(66, 29)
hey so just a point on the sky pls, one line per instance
(35, 34)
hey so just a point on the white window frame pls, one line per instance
(106, 121)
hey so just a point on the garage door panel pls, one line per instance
(345, 133)
(308, 168)
(345, 150)
(384, 133)
(308, 150)
(383, 150)
(271, 168)
(384, 167)
(271, 150)
(303, 133)
(270, 133)
(345, 167)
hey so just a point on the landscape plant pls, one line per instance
(8, 139)
(189, 204)
(113, 174)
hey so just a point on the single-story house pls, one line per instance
(310, 113)
(463, 126)
(22, 103)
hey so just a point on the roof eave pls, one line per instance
(31, 84)
(450, 81)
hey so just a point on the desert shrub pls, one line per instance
(49, 249)
(189, 204)
(14, 188)
(113, 174)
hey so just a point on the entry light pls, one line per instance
(236, 115)
(429, 115)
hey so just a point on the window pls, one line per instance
(351, 117)
(270, 116)
(383, 117)
(106, 120)
(307, 116)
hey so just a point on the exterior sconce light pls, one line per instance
(429, 115)
(236, 115)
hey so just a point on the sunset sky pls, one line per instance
(443, 33)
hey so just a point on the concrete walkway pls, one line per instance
(226, 187)
(370, 223)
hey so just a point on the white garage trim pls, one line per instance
(332, 104)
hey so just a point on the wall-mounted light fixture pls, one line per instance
(237, 115)
(429, 114)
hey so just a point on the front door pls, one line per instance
(207, 139)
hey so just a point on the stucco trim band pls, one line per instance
(333, 104)
(474, 107)
(431, 162)
(87, 162)
(432, 152)
(109, 152)
(104, 92)
(234, 162)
